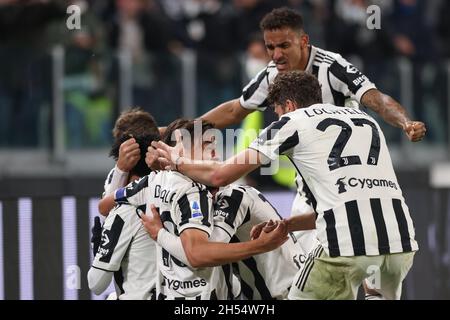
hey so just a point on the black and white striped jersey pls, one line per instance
(128, 251)
(342, 156)
(264, 276)
(183, 204)
(342, 83)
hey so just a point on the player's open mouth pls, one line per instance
(281, 65)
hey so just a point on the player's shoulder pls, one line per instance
(242, 193)
(231, 189)
(123, 212)
(324, 57)
(179, 182)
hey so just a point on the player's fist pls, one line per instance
(129, 155)
(274, 238)
(263, 226)
(415, 130)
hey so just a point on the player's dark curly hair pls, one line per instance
(280, 18)
(298, 86)
(142, 127)
(187, 124)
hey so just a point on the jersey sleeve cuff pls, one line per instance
(109, 267)
(250, 106)
(120, 172)
(363, 90)
(195, 226)
(264, 155)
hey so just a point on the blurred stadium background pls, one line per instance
(61, 91)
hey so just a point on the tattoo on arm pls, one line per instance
(390, 110)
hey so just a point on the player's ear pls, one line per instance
(290, 105)
(304, 40)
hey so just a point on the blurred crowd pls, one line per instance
(226, 38)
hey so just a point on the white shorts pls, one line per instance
(339, 278)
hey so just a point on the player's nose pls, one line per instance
(277, 54)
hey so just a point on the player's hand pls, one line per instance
(258, 228)
(169, 157)
(96, 237)
(275, 238)
(415, 130)
(151, 159)
(129, 155)
(152, 222)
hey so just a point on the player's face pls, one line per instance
(286, 48)
(282, 109)
(204, 149)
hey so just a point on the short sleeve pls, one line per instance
(347, 79)
(231, 210)
(254, 95)
(278, 138)
(194, 209)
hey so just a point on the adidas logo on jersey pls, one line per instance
(195, 208)
(364, 183)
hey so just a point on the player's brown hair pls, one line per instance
(186, 124)
(298, 86)
(142, 127)
(135, 121)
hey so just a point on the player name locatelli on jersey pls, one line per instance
(319, 111)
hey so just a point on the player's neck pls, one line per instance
(305, 58)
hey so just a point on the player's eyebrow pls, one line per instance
(279, 45)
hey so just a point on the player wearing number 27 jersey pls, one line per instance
(359, 204)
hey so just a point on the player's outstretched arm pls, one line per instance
(301, 222)
(226, 114)
(393, 113)
(202, 253)
(295, 223)
(211, 173)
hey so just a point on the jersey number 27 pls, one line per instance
(335, 160)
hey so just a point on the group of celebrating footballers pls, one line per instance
(178, 227)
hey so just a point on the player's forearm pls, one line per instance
(226, 114)
(390, 110)
(200, 171)
(218, 174)
(211, 254)
(173, 245)
(301, 222)
(106, 204)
